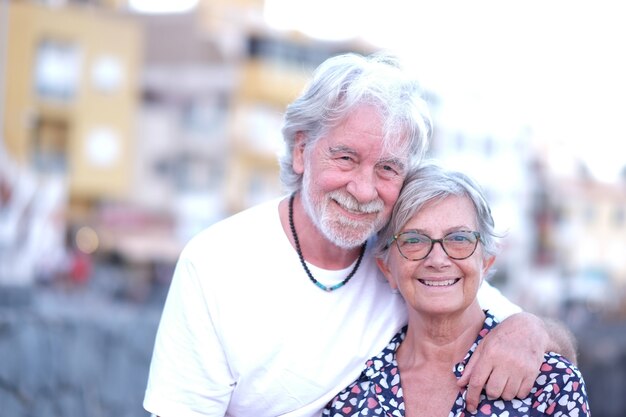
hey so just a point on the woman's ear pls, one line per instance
(298, 153)
(488, 263)
(387, 273)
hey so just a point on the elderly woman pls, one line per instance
(436, 251)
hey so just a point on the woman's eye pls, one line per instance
(459, 237)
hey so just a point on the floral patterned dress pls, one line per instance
(558, 391)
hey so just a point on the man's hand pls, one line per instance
(507, 361)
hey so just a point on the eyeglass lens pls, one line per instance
(457, 245)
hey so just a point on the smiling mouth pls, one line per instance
(353, 207)
(445, 283)
(351, 210)
(355, 214)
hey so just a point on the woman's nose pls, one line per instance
(437, 256)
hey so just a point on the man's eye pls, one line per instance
(389, 170)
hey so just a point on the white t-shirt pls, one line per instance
(244, 332)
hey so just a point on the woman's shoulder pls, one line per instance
(559, 385)
(558, 369)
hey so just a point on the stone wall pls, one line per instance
(82, 354)
(602, 361)
(74, 355)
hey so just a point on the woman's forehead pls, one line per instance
(449, 211)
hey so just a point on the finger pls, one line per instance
(496, 383)
(472, 381)
(469, 367)
(511, 388)
(478, 379)
(472, 397)
(521, 382)
(525, 387)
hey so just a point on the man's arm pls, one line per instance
(507, 362)
(562, 340)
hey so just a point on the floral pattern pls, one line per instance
(559, 389)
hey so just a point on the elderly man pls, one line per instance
(274, 310)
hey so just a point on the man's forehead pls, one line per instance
(381, 153)
(398, 161)
(396, 148)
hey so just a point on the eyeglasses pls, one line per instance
(416, 246)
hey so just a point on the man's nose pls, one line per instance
(362, 186)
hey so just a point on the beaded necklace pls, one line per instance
(306, 268)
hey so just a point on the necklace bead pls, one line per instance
(303, 262)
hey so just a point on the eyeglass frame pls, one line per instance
(432, 244)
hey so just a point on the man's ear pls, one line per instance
(387, 273)
(298, 153)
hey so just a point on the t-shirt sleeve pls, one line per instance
(490, 298)
(189, 373)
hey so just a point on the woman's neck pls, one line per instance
(440, 339)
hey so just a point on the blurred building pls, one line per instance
(70, 100)
(583, 231)
(154, 125)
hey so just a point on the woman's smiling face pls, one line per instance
(439, 284)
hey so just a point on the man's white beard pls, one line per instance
(341, 231)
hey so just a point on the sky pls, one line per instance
(559, 66)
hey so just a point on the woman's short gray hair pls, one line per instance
(342, 83)
(430, 182)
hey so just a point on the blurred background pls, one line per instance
(128, 126)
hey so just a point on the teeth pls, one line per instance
(438, 283)
(352, 210)
(354, 207)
